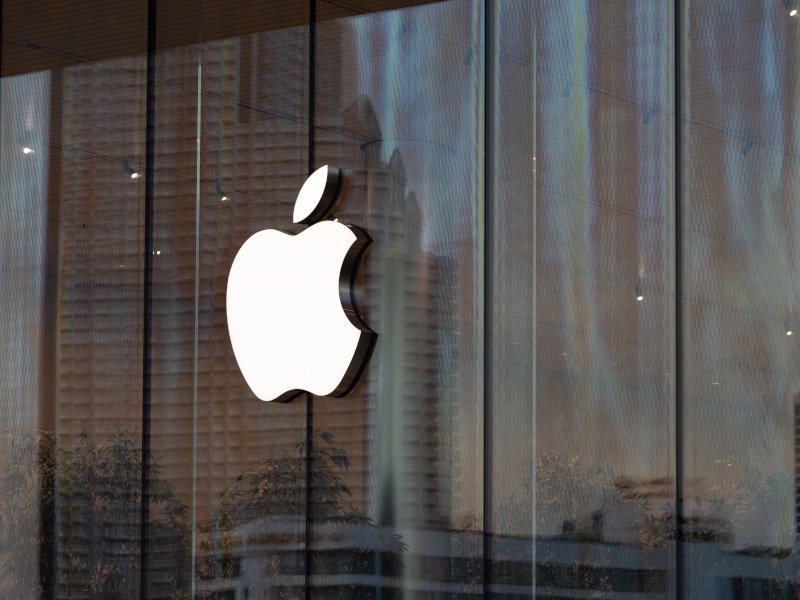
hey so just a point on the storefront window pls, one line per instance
(581, 265)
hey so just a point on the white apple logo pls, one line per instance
(292, 318)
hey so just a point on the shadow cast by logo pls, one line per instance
(293, 320)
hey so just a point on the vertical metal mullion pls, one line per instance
(312, 106)
(680, 557)
(196, 341)
(312, 74)
(488, 287)
(144, 516)
(309, 475)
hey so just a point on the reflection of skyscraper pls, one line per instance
(99, 340)
(260, 162)
(396, 427)
(403, 281)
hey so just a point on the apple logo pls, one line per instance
(292, 318)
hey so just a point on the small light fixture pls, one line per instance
(791, 6)
(27, 150)
(130, 170)
(639, 294)
(223, 197)
(787, 327)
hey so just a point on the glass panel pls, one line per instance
(604, 471)
(173, 353)
(399, 108)
(511, 448)
(71, 239)
(236, 462)
(742, 260)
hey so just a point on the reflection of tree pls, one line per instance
(747, 506)
(257, 535)
(575, 495)
(755, 499)
(595, 531)
(573, 500)
(94, 491)
(256, 542)
(576, 507)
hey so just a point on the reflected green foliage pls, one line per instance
(70, 515)
(256, 540)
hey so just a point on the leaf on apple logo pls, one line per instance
(318, 195)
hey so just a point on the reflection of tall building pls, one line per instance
(99, 339)
(260, 162)
(393, 429)
(403, 297)
(394, 426)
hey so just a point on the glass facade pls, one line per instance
(583, 276)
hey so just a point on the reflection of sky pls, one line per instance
(422, 72)
(605, 199)
(602, 222)
(23, 190)
(605, 170)
(742, 215)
